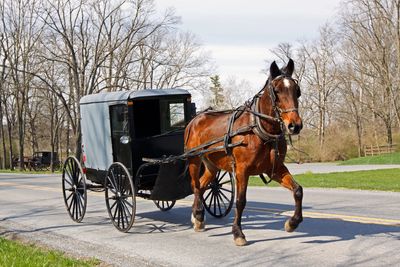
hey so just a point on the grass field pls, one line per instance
(384, 180)
(28, 172)
(393, 158)
(13, 253)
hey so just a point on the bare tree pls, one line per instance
(370, 27)
(320, 79)
(237, 92)
(3, 77)
(22, 30)
(92, 42)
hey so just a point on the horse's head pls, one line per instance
(284, 92)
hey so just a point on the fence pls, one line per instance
(371, 150)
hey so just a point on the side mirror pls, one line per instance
(125, 139)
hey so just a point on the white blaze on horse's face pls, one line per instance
(288, 108)
(286, 82)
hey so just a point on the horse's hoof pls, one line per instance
(197, 225)
(288, 227)
(240, 241)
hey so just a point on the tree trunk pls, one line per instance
(359, 136)
(78, 142)
(9, 128)
(389, 132)
(67, 141)
(21, 141)
(3, 137)
(52, 142)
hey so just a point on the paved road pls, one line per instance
(341, 227)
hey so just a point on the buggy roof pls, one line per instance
(126, 95)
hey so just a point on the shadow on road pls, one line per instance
(316, 230)
(320, 230)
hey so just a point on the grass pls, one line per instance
(28, 172)
(392, 158)
(13, 253)
(383, 180)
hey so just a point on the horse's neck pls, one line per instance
(266, 107)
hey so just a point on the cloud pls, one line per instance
(240, 33)
(252, 22)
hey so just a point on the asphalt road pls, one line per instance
(341, 227)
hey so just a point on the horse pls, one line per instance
(258, 129)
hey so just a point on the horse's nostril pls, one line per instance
(294, 128)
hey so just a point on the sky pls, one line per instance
(239, 34)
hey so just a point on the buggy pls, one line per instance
(41, 160)
(133, 146)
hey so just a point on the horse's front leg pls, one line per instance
(284, 177)
(241, 189)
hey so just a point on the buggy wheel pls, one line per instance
(120, 197)
(164, 205)
(74, 189)
(219, 195)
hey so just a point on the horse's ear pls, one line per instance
(288, 70)
(274, 70)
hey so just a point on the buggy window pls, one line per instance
(176, 115)
(157, 116)
(120, 127)
(172, 115)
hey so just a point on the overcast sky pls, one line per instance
(240, 33)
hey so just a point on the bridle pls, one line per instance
(254, 108)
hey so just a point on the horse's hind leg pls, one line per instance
(197, 208)
(286, 180)
(199, 185)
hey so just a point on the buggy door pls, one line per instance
(120, 135)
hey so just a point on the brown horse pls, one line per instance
(258, 130)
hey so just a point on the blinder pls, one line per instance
(298, 91)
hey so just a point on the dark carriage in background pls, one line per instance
(41, 160)
(132, 142)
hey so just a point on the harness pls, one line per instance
(256, 126)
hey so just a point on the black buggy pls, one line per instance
(133, 146)
(41, 160)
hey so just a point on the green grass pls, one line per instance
(383, 180)
(392, 158)
(28, 172)
(13, 253)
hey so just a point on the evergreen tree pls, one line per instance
(217, 100)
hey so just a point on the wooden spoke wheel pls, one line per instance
(120, 197)
(219, 195)
(74, 189)
(164, 205)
